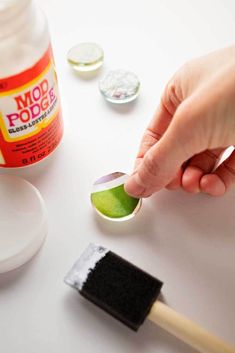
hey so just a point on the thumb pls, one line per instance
(164, 159)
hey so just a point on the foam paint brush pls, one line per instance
(130, 295)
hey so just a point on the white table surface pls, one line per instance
(187, 241)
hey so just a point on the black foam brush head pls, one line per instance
(118, 287)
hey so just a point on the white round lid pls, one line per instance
(23, 222)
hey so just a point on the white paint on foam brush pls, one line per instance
(79, 273)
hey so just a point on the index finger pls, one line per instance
(154, 131)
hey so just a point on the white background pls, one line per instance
(187, 241)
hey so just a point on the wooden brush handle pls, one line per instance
(186, 330)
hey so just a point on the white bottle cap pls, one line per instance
(23, 222)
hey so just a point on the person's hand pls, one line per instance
(193, 124)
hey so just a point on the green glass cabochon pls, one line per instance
(110, 200)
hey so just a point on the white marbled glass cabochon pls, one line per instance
(120, 86)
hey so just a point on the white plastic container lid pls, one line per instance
(23, 222)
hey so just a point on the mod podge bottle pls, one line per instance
(30, 116)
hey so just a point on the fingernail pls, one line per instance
(133, 188)
(211, 184)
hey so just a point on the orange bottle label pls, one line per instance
(30, 117)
